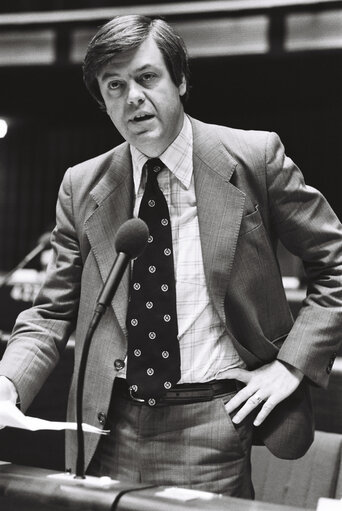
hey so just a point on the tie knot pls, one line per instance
(154, 165)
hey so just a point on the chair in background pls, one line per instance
(300, 482)
(327, 403)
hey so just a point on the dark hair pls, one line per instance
(125, 33)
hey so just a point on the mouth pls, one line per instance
(140, 118)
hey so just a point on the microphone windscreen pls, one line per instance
(131, 237)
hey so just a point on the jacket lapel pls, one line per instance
(113, 194)
(220, 207)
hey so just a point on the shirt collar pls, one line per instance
(177, 157)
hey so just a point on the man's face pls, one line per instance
(141, 99)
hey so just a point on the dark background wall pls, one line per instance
(53, 123)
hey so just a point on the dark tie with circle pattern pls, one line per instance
(153, 359)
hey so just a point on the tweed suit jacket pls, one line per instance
(249, 195)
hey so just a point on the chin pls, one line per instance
(150, 146)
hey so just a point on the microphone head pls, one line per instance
(131, 237)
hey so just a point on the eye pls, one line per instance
(114, 85)
(148, 77)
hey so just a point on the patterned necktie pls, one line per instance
(153, 359)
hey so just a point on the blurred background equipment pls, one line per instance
(19, 286)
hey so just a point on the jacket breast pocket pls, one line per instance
(250, 221)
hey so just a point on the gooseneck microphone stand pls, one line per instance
(101, 306)
(130, 242)
(100, 309)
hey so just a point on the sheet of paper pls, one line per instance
(11, 416)
(185, 494)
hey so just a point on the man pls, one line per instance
(231, 195)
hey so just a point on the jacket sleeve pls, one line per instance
(41, 332)
(308, 227)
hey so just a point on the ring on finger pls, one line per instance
(256, 399)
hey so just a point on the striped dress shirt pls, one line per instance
(207, 352)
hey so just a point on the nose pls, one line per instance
(135, 94)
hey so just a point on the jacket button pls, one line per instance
(101, 418)
(119, 364)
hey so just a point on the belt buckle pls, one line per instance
(132, 389)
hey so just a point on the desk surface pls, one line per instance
(30, 489)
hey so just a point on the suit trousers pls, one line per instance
(192, 445)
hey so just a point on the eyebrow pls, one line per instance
(112, 74)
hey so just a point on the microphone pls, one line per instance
(43, 243)
(130, 242)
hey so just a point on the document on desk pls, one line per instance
(11, 416)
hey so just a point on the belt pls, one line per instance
(184, 393)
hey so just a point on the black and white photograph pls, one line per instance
(170, 255)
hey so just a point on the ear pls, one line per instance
(182, 87)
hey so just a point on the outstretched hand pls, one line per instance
(269, 384)
(7, 392)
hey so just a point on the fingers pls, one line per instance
(239, 398)
(264, 412)
(255, 401)
(250, 405)
(265, 387)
